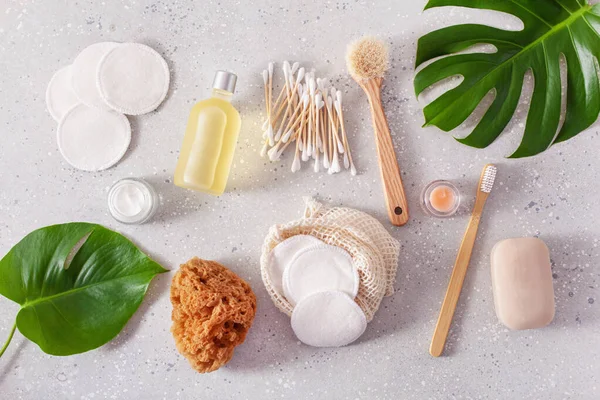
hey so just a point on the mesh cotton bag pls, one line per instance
(374, 251)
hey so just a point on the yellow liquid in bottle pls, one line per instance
(208, 145)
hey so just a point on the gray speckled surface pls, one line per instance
(552, 195)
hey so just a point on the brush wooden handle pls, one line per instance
(456, 279)
(395, 199)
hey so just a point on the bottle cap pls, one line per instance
(225, 81)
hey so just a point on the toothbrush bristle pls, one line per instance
(487, 181)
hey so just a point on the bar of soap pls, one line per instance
(522, 283)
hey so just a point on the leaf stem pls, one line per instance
(10, 336)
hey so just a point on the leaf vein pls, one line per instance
(79, 289)
(532, 13)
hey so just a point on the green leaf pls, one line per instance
(77, 284)
(551, 28)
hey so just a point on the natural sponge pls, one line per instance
(213, 310)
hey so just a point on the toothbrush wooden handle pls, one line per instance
(455, 286)
(395, 198)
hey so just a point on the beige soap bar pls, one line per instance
(522, 283)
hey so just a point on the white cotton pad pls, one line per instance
(60, 97)
(328, 319)
(91, 139)
(85, 70)
(133, 79)
(283, 254)
(317, 269)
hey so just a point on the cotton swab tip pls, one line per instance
(296, 165)
(346, 161)
(273, 153)
(295, 67)
(286, 137)
(270, 136)
(305, 156)
(301, 73)
(270, 70)
(338, 107)
(353, 170)
(263, 151)
(278, 134)
(335, 165)
(338, 96)
(312, 87)
(265, 74)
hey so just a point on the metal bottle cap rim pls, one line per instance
(225, 81)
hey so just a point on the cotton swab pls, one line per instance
(269, 132)
(304, 128)
(263, 150)
(347, 155)
(309, 112)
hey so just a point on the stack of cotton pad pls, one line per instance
(89, 98)
(321, 282)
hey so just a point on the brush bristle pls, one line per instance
(487, 180)
(367, 58)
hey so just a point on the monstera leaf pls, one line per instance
(77, 284)
(552, 28)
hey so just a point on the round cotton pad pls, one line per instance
(283, 254)
(85, 70)
(328, 319)
(60, 97)
(133, 79)
(91, 139)
(317, 269)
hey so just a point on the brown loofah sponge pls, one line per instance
(213, 309)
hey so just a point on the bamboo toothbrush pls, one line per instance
(367, 61)
(486, 182)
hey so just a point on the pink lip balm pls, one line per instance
(440, 199)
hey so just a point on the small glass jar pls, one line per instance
(132, 201)
(440, 199)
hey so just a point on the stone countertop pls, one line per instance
(547, 196)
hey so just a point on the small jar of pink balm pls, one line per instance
(440, 199)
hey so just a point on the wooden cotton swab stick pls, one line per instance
(290, 88)
(291, 94)
(347, 155)
(318, 131)
(312, 86)
(269, 133)
(296, 163)
(325, 136)
(340, 144)
(334, 140)
(275, 152)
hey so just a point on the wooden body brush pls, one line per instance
(367, 61)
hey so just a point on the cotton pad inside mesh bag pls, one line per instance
(373, 250)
